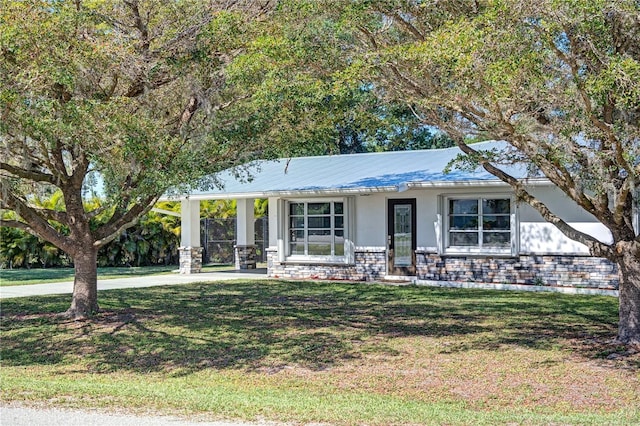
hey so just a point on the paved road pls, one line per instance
(26, 416)
(133, 282)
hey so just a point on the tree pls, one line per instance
(557, 80)
(117, 97)
(301, 92)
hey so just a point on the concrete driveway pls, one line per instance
(66, 287)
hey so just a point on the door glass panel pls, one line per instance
(402, 235)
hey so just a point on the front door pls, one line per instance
(401, 237)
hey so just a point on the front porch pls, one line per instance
(191, 248)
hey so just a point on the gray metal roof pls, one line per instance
(352, 173)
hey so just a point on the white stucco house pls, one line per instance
(398, 216)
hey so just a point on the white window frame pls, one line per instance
(510, 250)
(306, 258)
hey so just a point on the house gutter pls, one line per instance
(475, 183)
(402, 187)
(166, 212)
(290, 193)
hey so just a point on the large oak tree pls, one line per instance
(122, 98)
(558, 80)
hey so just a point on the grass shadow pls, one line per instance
(269, 324)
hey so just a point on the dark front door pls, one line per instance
(401, 237)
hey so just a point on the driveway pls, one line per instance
(66, 287)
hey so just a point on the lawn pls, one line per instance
(11, 277)
(330, 353)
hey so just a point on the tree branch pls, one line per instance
(31, 175)
(369, 36)
(596, 247)
(408, 26)
(38, 224)
(18, 225)
(116, 225)
(553, 168)
(188, 112)
(95, 212)
(139, 24)
(415, 87)
(605, 128)
(55, 215)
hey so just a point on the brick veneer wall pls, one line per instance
(245, 256)
(369, 266)
(545, 270)
(540, 270)
(190, 260)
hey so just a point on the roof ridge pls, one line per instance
(375, 153)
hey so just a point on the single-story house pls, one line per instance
(398, 216)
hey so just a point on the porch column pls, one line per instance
(190, 249)
(245, 249)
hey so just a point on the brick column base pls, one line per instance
(190, 260)
(245, 257)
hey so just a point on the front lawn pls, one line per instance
(11, 277)
(334, 353)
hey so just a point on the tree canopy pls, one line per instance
(297, 74)
(126, 99)
(557, 80)
(122, 96)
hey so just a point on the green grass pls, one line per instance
(12, 277)
(335, 353)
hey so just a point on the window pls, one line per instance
(479, 224)
(317, 229)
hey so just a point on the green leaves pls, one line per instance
(620, 76)
(130, 97)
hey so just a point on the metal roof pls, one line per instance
(351, 173)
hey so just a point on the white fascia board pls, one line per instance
(166, 212)
(203, 197)
(172, 198)
(286, 193)
(337, 191)
(476, 183)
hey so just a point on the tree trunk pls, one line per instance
(629, 327)
(85, 285)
